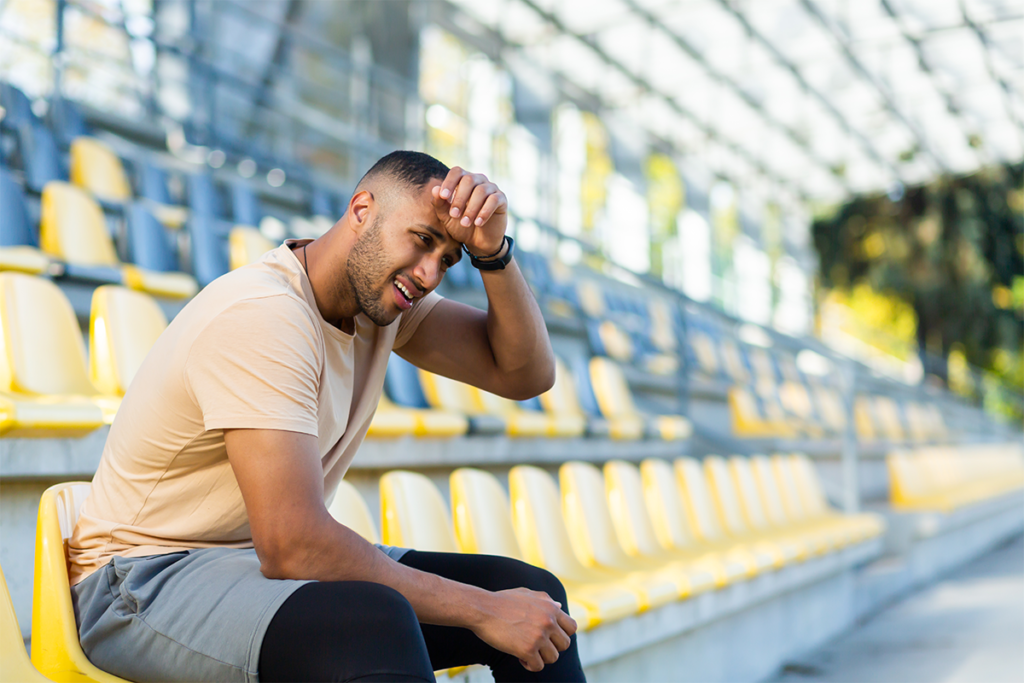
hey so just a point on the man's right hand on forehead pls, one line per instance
(473, 210)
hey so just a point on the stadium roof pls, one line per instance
(821, 98)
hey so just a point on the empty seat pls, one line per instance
(413, 513)
(631, 515)
(19, 246)
(56, 651)
(66, 120)
(246, 245)
(616, 402)
(17, 667)
(523, 419)
(123, 326)
(152, 184)
(815, 506)
(705, 522)
(73, 229)
(560, 401)
(751, 418)
(46, 390)
(544, 539)
(443, 393)
(403, 387)
(95, 168)
(152, 247)
(594, 539)
(773, 497)
(16, 105)
(349, 508)
(483, 524)
(245, 205)
(703, 349)
(39, 156)
(733, 362)
(390, 421)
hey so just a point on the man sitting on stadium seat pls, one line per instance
(205, 550)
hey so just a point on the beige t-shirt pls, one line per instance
(250, 351)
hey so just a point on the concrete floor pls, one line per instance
(966, 628)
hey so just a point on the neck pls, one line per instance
(330, 298)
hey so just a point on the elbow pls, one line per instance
(281, 558)
(540, 380)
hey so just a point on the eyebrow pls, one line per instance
(443, 238)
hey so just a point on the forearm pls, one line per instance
(334, 552)
(516, 332)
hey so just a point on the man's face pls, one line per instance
(401, 257)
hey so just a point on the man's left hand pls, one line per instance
(473, 211)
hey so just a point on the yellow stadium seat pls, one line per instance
(594, 538)
(615, 341)
(704, 519)
(591, 298)
(544, 539)
(732, 359)
(390, 421)
(446, 394)
(616, 402)
(123, 326)
(775, 507)
(863, 526)
(704, 350)
(349, 508)
(749, 421)
(483, 524)
(16, 666)
(96, 169)
(669, 519)
(945, 478)
(413, 513)
(864, 419)
(56, 651)
(630, 513)
(663, 333)
(727, 501)
(561, 402)
(73, 229)
(887, 414)
(523, 422)
(246, 245)
(766, 519)
(24, 259)
(45, 390)
(830, 406)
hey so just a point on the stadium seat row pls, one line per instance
(944, 478)
(622, 542)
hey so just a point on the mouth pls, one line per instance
(403, 297)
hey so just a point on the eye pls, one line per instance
(426, 238)
(448, 262)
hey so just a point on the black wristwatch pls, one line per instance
(496, 264)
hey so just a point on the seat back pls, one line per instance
(41, 348)
(732, 360)
(246, 245)
(447, 394)
(123, 327)
(700, 507)
(561, 398)
(17, 230)
(585, 509)
(17, 107)
(482, 514)
(905, 480)
(245, 205)
(349, 508)
(56, 651)
(751, 504)
(402, 382)
(66, 120)
(792, 502)
(39, 155)
(725, 496)
(95, 168)
(209, 250)
(610, 388)
(153, 182)
(663, 332)
(811, 492)
(629, 511)
(768, 487)
(704, 351)
(665, 505)
(414, 514)
(491, 404)
(150, 245)
(72, 227)
(539, 524)
(591, 298)
(17, 667)
(203, 198)
(584, 389)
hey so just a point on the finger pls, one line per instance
(496, 203)
(476, 201)
(450, 182)
(532, 663)
(548, 653)
(567, 623)
(462, 193)
(560, 639)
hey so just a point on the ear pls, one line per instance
(360, 207)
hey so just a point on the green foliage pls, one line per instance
(954, 251)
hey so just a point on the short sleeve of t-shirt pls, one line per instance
(412, 318)
(257, 366)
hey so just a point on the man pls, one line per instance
(205, 550)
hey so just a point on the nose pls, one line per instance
(428, 272)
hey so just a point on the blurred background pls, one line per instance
(835, 168)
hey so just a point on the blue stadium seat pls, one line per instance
(203, 198)
(209, 249)
(150, 245)
(321, 203)
(245, 205)
(17, 106)
(39, 156)
(153, 183)
(66, 120)
(402, 384)
(17, 230)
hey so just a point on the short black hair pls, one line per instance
(414, 169)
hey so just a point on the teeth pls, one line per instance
(403, 289)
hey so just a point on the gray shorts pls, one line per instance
(198, 615)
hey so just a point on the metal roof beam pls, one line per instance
(844, 45)
(781, 58)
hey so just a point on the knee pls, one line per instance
(538, 579)
(388, 607)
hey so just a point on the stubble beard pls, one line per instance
(368, 272)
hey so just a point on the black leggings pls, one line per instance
(361, 631)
